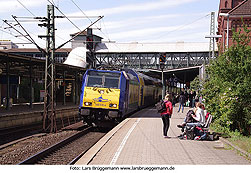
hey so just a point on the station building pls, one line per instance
(235, 11)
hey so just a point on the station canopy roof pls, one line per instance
(19, 65)
(135, 47)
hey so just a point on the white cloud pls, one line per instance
(138, 21)
(195, 37)
(160, 33)
(160, 4)
(164, 33)
(148, 20)
(139, 32)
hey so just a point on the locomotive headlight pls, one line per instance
(101, 91)
(113, 105)
(88, 103)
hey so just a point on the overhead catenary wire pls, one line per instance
(81, 10)
(34, 18)
(106, 35)
(14, 36)
(30, 38)
(72, 23)
(88, 18)
(2, 30)
(29, 42)
(106, 31)
(17, 30)
(184, 25)
(26, 35)
(26, 8)
(68, 20)
(59, 47)
(63, 15)
(29, 19)
(52, 3)
(78, 33)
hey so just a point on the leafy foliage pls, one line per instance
(227, 92)
(196, 84)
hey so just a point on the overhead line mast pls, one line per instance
(49, 116)
(212, 32)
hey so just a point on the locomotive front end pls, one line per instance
(100, 97)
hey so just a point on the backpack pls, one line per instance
(199, 132)
(190, 132)
(161, 106)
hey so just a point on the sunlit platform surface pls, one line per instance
(138, 140)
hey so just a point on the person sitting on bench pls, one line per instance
(198, 116)
(192, 117)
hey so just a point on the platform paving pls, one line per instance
(138, 140)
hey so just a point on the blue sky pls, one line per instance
(124, 20)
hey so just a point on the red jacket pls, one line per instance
(169, 109)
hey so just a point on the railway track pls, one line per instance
(67, 151)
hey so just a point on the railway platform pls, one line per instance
(24, 108)
(138, 140)
(21, 114)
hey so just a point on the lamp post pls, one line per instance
(213, 36)
(226, 15)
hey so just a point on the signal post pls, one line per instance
(162, 60)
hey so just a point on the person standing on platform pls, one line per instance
(173, 99)
(166, 115)
(182, 100)
(190, 97)
(186, 95)
(194, 94)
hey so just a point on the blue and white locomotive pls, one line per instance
(107, 96)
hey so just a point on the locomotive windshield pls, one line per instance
(103, 79)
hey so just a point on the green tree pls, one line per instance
(196, 84)
(227, 91)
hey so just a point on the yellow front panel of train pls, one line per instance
(105, 98)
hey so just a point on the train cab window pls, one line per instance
(94, 81)
(111, 82)
(103, 79)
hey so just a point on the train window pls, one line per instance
(111, 82)
(94, 81)
(103, 79)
